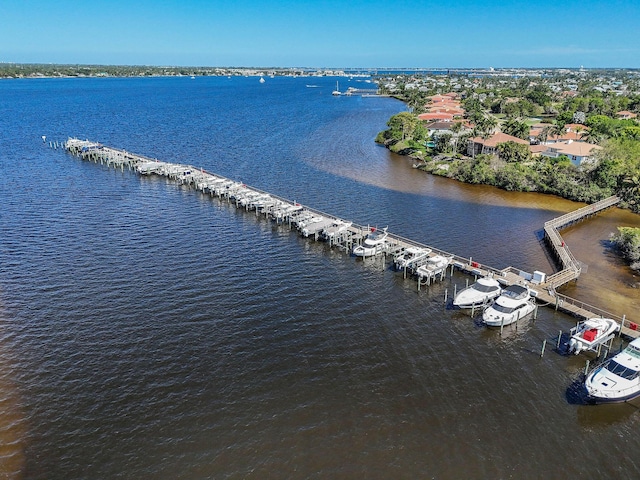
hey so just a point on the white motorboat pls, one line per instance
(434, 265)
(308, 221)
(618, 379)
(335, 229)
(374, 243)
(587, 335)
(514, 303)
(482, 291)
(410, 256)
(314, 228)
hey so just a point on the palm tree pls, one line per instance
(543, 136)
(456, 128)
(592, 136)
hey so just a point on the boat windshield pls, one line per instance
(633, 351)
(484, 288)
(503, 309)
(620, 370)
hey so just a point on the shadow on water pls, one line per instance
(597, 416)
(593, 416)
(576, 393)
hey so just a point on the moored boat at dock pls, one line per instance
(374, 243)
(514, 302)
(434, 265)
(335, 229)
(482, 291)
(410, 256)
(618, 379)
(591, 333)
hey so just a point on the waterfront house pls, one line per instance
(489, 145)
(578, 152)
(436, 116)
(625, 115)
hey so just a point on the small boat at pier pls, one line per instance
(410, 256)
(434, 265)
(374, 243)
(335, 229)
(481, 292)
(313, 228)
(514, 303)
(587, 335)
(618, 379)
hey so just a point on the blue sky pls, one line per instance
(323, 33)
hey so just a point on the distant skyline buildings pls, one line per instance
(324, 34)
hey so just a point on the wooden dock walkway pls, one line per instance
(283, 210)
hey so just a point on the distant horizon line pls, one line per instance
(439, 68)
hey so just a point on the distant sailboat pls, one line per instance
(336, 91)
(261, 80)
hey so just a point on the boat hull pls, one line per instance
(591, 333)
(495, 319)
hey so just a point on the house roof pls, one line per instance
(440, 125)
(576, 149)
(436, 116)
(627, 114)
(565, 136)
(497, 138)
(447, 109)
(536, 149)
(572, 127)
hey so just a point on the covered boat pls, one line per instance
(617, 379)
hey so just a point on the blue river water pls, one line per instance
(150, 331)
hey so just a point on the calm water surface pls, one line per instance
(149, 331)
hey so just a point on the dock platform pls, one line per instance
(282, 210)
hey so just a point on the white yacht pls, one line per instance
(373, 244)
(410, 256)
(482, 291)
(435, 265)
(592, 332)
(335, 229)
(514, 303)
(313, 228)
(618, 379)
(336, 91)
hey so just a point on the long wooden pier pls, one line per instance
(346, 235)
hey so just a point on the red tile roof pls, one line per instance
(497, 138)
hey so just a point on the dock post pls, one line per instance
(501, 325)
(621, 325)
(467, 286)
(544, 344)
(446, 292)
(473, 309)
(556, 302)
(535, 313)
(586, 368)
(559, 339)
(455, 287)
